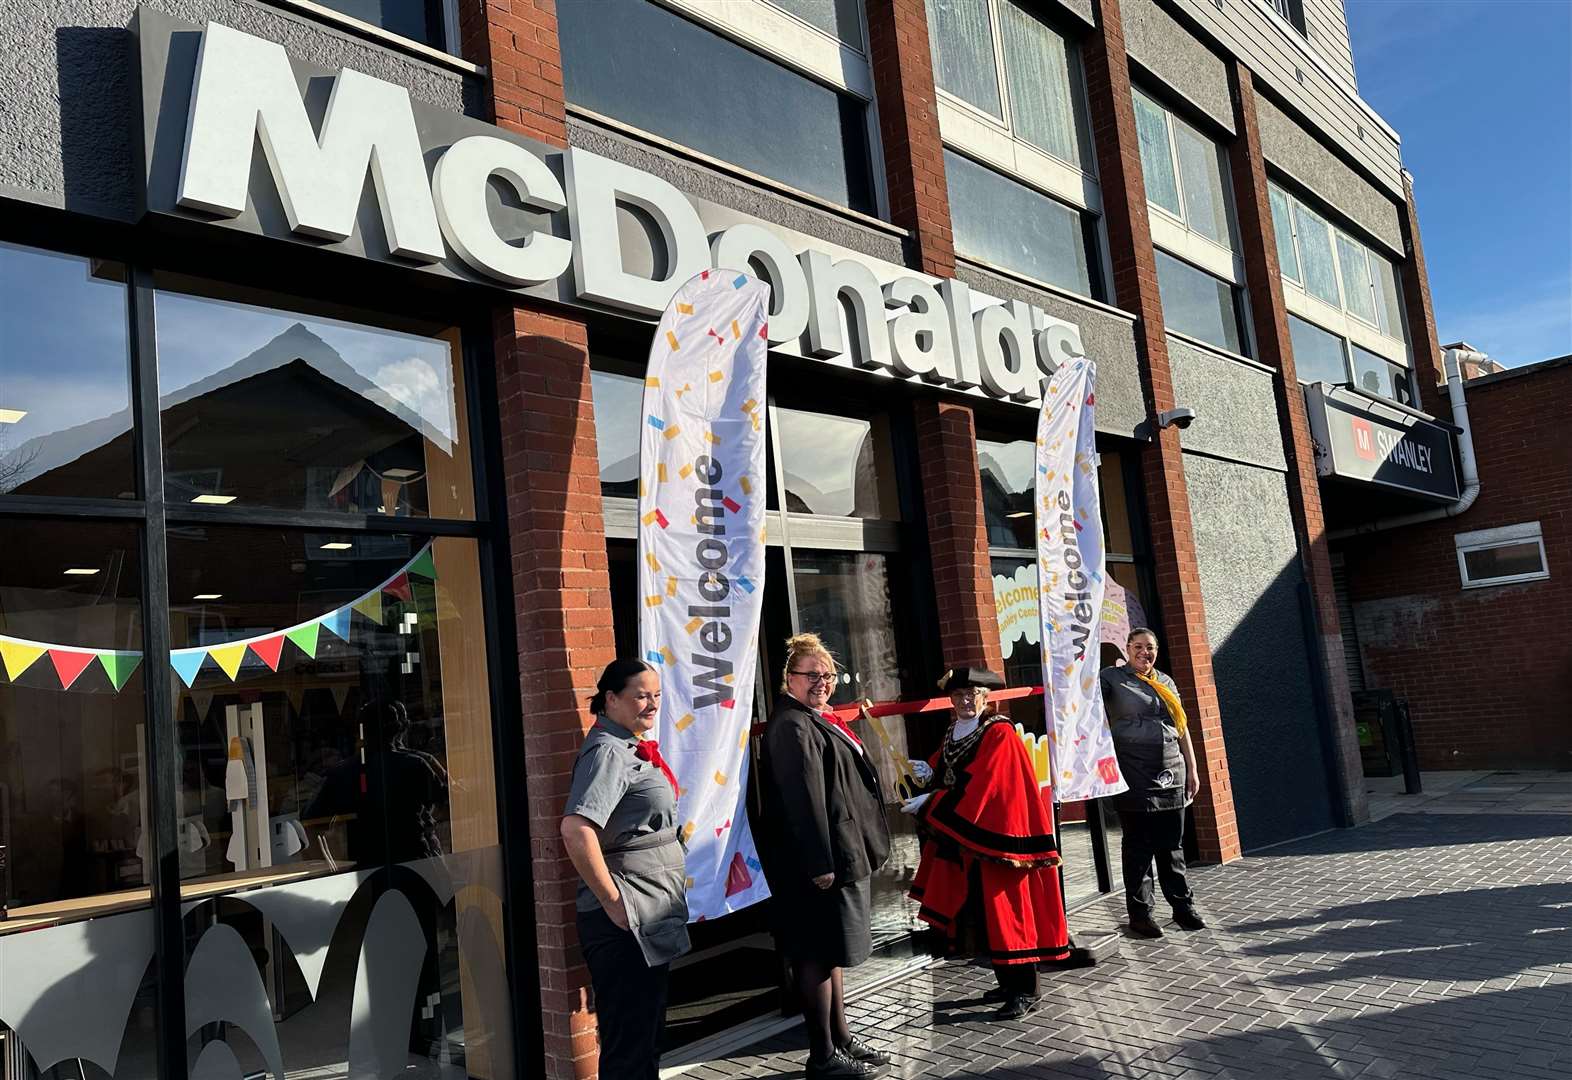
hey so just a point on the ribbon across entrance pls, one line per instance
(701, 567)
(1070, 567)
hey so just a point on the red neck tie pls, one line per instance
(649, 750)
(842, 726)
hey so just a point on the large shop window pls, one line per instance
(1001, 221)
(1198, 304)
(642, 64)
(837, 466)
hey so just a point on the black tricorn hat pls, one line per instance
(962, 677)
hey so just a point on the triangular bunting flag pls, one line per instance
(398, 587)
(296, 695)
(119, 666)
(336, 623)
(69, 665)
(202, 701)
(187, 662)
(268, 649)
(423, 566)
(370, 606)
(228, 657)
(340, 695)
(18, 657)
(305, 638)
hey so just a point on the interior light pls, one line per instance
(81, 571)
(337, 545)
(208, 596)
(398, 474)
(214, 500)
(12, 416)
(1019, 514)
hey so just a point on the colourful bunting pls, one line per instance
(336, 623)
(18, 656)
(305, 638)
(228, 657)
(424, 565)
(187, 662)
(398, 587)
(119, 666)
(69, 664)
(268, 650)
(370, 606)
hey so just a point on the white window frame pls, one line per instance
(1172, 232)
(1505, 536)
(990, 139)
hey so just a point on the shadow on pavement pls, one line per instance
(1426, 829)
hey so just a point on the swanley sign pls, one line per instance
(453, 196)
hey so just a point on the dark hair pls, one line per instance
(388, 715)
(1141, 631)
(614, 680)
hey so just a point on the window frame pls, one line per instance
(1504, 536)
(1173, 232)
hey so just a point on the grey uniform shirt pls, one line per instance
(1145, 740)
(624, 797)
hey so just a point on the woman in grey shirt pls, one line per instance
(1152, 741)
(620, 829)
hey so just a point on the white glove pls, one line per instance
(911, 806)
(922, 772)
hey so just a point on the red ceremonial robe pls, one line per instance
(992, 829)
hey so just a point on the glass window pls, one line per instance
(1358, 295)
(1318, 355)
(420, 20)
(333, 718)
(1198, 304)
(1006, 223)
(838, 466)
(263, 407)
(1157, 162)
(1283, 228)
(65, 377)
(1502, 556)
(960, 33)
(1008, 475)
(1315, 254)
(638, 62)
(841, 19)
(1037, 67)
(1377, 375)
(846, 597)
(618, 399)
(1390, 300)
(1201, 173)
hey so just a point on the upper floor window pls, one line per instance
(425, 21)
(1198, 304)
(1184, 172)
(777, 95)
(1322, 356)
(1334, 267)
(1293, 11)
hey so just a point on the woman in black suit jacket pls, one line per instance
(823, 833)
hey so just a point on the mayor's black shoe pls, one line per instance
(1189, 919)
(1017, 1006)
(840, 1066)
(1145, 927)
(858, 1050)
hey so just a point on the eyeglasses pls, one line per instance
(815, 676)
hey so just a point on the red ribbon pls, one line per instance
(841, 725)
(649, 750)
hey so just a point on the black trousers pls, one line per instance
(1150, 836)
(630, 998)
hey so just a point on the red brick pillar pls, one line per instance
(909, 129)
(1429, 370)
(957, 534)
(516, 42)
(1187, 654)
(1259, 247)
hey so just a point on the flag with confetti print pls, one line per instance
(701, 567)
(1070, 576)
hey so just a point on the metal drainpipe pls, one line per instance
(1465, 449)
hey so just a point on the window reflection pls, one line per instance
(617, 400)
(1008, 482)
(262, 407)
(837, 465)
(65, 391)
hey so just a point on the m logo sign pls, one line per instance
(1364, 439)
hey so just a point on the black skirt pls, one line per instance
(827, 926)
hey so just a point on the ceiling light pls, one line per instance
(208, 596)
(12, 416)
(1019, 514)
(81, 571)
(337, 545)
(214, 500)
(398, 474)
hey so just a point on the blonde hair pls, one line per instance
(801, 646)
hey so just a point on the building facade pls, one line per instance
(325, 326)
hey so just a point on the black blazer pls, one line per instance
(821, 800)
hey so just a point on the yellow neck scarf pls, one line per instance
(1169, 698)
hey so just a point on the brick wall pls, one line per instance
(516, 42)
(1487, 672)
(1428, 370)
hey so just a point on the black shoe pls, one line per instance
(858, 1050)
(1189, 919)
(1017, 1006)
(1145, 927)
(841, 1066)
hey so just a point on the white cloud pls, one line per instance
(1516, 331)
(416, 383)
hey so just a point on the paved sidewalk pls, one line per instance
(1429, 945)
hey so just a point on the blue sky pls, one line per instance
(1481, 93)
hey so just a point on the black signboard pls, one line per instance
(1362, 439)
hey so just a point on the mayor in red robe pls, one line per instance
(989, 876)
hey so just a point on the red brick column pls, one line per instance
(1187, 654)
(562, 609)
(957, 534)
(1259, 248)
(909, 129)
(516, 42)
(1428, 367)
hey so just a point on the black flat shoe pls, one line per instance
(858, 1050)
(1145, 927)
(840, 1066)
(1189, 919)
(1017, 1006)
